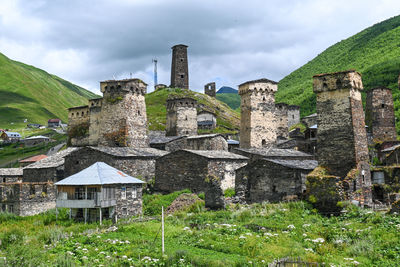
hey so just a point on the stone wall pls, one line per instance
(95, 119)
(123, 114)
(37, 198)
(225, 170)
(199, 142)
(78, 126)
(209, 89)
(264, 180)
(179, 67)
(181, 117)
(293, 115)
(379, 114)
(130, 206)
(258, 122)
(281, 114)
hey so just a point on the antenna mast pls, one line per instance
(155, 72)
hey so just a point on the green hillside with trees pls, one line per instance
(30, 93)
(374, 52)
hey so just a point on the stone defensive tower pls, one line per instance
(123, 113)
(257, 122)
(379, 114)
(181, 117)
(209, 89)
(342, 138)
(179, 67)
(293, 115)
(281, 115)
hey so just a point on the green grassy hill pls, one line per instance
(232, 100)
(227, 119)
(374, 52)
(30, 93)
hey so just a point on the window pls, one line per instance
(79, 193)
(4, 208)
(292, 116)
(274, 189)
(182, 76)
(134, 192)
(124, 211)
(354, 185)
(44, 189)
(383, 105)
(123, 192)
(11, 208)
(32, 190)
(263, 142)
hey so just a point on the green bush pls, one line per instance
(152, 203)
(230, 192)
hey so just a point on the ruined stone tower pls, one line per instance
(342, 138)
(179, 67)
(257, 122)
(123, 113)
(281, 115)
(293, 115)
(181, 117)
(209, 89)
(379, 114)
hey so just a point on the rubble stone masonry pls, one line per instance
(181, 117)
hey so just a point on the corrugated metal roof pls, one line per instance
(99, 174)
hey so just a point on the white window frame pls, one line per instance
(123, 192)
(134, 192)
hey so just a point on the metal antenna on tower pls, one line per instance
(155, 71)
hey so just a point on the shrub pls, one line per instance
(230, 192)
(152, 203)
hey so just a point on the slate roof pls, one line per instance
(216, 154)
(274, 152)
(143, 152)
(53, 161)
(295, 164)
(99, 174)
(310, 116)
(164, 139)
(263, 80)
(203, 136)
(11, 172)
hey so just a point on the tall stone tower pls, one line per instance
(209, 89)
(342, 138)
(293, 115)
(181, 117)
(379, 114)
(123, 113)
(179, 68)
(257, 123)
(281, 115)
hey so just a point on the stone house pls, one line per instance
(309, 120)
(10, 137)
(35, 140)
(181, 116)
(31, 160)
(54, 123)
(9, 180)
(293, 117)
(206, 120)
(281, 115)
(136, 162)
(190, 168)
(100, 191)
(198, 142)
(160, 141)
(273, 180)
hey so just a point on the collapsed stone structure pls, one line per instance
(342, 142)
(209, 89)
(257, 122)
(181, 117)
(117, 119)
(190, 168)
(379, 114)
(179, 67)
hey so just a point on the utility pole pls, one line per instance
(155, 72)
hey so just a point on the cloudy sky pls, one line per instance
(229, 41)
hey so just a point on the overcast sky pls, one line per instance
(229, 41)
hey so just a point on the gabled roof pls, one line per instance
(273, 152)
(33, 159)
(295, 164)
(53, 161)
(99, 174)
(11, 172)
(12, 134)
(203, 136)
(140, 152)
(215, 154)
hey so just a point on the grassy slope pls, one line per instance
(232, 100)
(156, 110)
(374, 52)
(30, 93)
(239, 236)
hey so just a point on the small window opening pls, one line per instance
(263, 142)
(264, 98)
(292, 116)
(138, 112)
(354, 185)
(274, 189)
(383, 105)
(32, 190)
(83, 113)
(182, 76)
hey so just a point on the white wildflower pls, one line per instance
(356, 263)
(124, 257)
(309, 249)
(318, 240)
(348, 259)
(304, 234)
(306, 225)
(250, 234)
(84, 258)
(242, 237)
(291, 226)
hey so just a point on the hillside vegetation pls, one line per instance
(232, 100)
(227, 119)
(374, 52)
(30, 93)
(241, 235)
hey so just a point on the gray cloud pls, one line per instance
(229, 41)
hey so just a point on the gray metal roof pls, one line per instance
(295, 164)
(99, 174)
(391, 148)
(11, 172)
(216, 154)
(315, 126)
(53, 161)
(232, 142)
